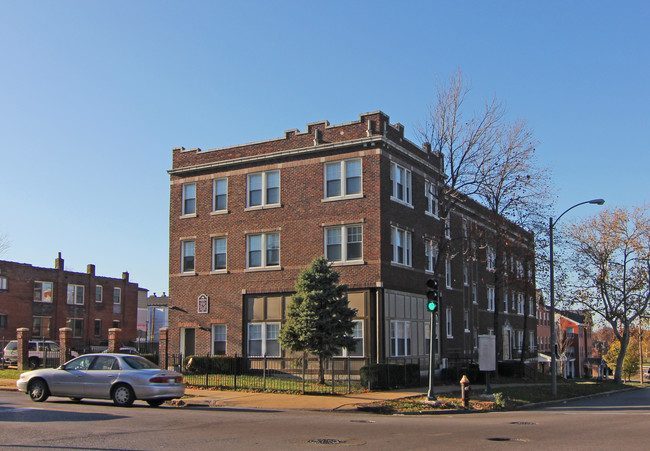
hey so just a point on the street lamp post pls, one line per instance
(551, 226)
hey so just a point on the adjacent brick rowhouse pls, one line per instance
(47, 299)
(359, 189)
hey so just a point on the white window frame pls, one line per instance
(406, 254)
(466, 320)
(521, 304)
(400, 334)
(3, 283)
(448, 273)
(219, 331)
(344, 231)
(449, 323)
(265, 188)
(490, 298)
(215, 183)
(265, 332)
(343, 169)
(264, 249)
(431, 195)
(505, 302)
(185, 254)
(74, 294)
(357, 334)
(448, 226)
(117, 295)
(42, 291)
(99, 290)
(490, 257)
(406, 197)
(216, 239)
(430, 255)
(465, 274)
(186, 199)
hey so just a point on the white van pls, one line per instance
(38, 350)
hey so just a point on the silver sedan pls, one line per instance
(120, 377)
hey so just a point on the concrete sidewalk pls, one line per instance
(280, 401)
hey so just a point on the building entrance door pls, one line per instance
(188, 341)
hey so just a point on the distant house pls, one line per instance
(575, 343)
(543, 335)
(157, 315)
(47, 299)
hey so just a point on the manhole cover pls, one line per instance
(499, 439)
(326, 441)
(522, 422)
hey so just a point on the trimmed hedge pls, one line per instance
(384, 376)
(201, 364)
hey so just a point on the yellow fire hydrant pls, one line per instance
(464, 391)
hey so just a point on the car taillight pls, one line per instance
(166, 379)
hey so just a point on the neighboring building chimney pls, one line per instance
(58, 263)
(125, 276)
(90, 269)
(426, 147)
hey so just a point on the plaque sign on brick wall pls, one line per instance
(202, 304)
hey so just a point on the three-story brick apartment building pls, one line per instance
(46, 299)
(246, 219)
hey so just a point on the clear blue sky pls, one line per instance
(95, 94)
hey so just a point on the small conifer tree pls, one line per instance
(319, 320)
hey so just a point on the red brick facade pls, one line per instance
(38, 299)
(388, 294)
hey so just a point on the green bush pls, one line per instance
(384, 376)
(200, 364)
(454, 374)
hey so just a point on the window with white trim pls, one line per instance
(400, 338)
(117, 295)
(357, 335)
(43, 291)
(99, 293)
(490, 299)
(189, 199)
(490, 258)
(263, 250)
(531, 306)
(219, 338)
(465, 274)
(401, 244)
(219, 253)
(75, 294)
(344, 243)
(3, 283)
(450, 331)
(343, 179)
(521, 304)
(431, 195)
(431, 255)
(465, 234)
(187, 256)
(448, 227)
(263, 339)
(400, 178)
(220, 195)
(262, 189)
(448, 275)
(505, 302)
(466, 320)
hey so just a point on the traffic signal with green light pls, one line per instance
(433, 295)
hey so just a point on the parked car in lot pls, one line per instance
(120, 377)
(38, 352)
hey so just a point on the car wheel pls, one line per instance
(38, 390)
(155, 402)
(34, 362)
(123, 396)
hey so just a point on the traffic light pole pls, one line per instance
(431, 395)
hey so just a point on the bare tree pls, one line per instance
(611, 253)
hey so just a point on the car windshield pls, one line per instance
(140, 363)
(12, 345)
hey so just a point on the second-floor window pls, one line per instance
(219, 252)
(401, 243)
(117, 295)
(431, 255)
(220, 195)
(263, 250)
(400, 178)
(263, 189)
(490, 256)
(490, 299)
(448, 275)
(187, 256)
(43, 291)
(344, 243)
(343, 178)
(189, 199)
(99, 293)
(75, 294)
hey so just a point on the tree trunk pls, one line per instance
(618, 374)
(321, 369)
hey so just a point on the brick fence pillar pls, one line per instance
(23, 335)
(114, 340)
(163, 340)
(65, 345)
